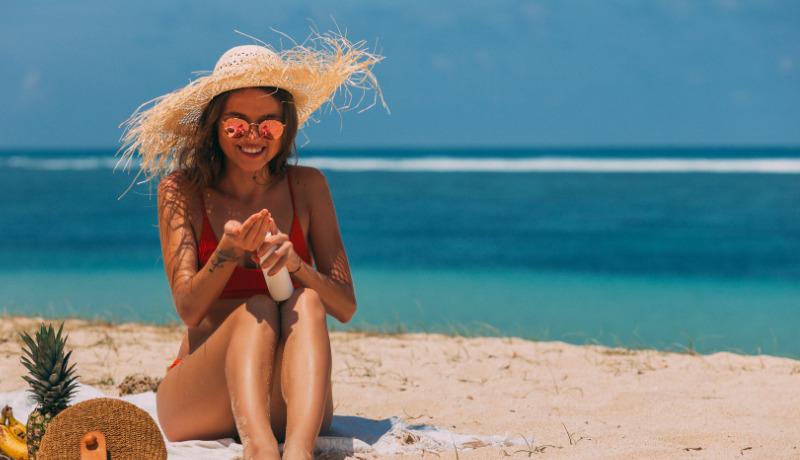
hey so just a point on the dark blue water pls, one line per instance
(704, 260)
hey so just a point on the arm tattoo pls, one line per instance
(222, 256)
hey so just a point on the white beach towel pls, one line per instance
(348, 434)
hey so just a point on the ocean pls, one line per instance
(693, 250)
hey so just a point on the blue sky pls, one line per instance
(499, 73)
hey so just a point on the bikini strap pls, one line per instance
(203, 207)
(291, 194)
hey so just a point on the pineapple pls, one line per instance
(51, 378)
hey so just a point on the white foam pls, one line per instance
(560, 164)
(58, 164)
(453, 164)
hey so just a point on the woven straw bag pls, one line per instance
(130, 432)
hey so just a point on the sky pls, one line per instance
(483, 74)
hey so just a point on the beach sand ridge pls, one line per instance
(567, 401)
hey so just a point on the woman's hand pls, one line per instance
(249, 236)
(283, 256)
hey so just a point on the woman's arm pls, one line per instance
(331, 279)
(194, 289)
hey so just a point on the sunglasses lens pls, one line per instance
(235, 127)
(270, 129)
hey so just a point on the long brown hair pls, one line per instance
(202, 159)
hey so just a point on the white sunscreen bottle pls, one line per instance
(279, 285)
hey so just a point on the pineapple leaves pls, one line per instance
(51, 378)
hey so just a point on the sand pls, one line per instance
(567, 401)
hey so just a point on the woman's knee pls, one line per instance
(307, 306)
(257, 319)
(259, 310)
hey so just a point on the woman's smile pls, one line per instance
(252, 150)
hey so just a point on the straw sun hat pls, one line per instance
(313, 72)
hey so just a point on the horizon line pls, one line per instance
(465, 147)
(655, 164)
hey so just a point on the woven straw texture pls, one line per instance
(130, 432)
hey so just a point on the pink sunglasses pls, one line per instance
(236, 128)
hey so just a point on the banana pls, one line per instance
(11, 445)
(16, 427)
(19, 431)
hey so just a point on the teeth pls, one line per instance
(251, 149)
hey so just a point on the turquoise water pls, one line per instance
(636, 311)
(704, 315)
(607, 251)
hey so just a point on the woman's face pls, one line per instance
(251, 152)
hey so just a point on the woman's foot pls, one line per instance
(252, 452)
(297, 453)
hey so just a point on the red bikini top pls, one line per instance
(247, 282)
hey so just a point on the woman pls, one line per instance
(250, 366)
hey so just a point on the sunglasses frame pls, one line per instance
(249, 125)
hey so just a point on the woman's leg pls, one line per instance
(303, 377)
(223, 386)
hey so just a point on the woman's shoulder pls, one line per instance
(176, 184)
(176, 179)
(307, 178)
(176, 190)
(177, 200)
